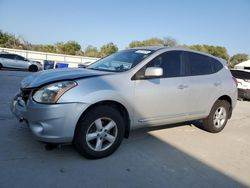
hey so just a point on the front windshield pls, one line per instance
(121, 61)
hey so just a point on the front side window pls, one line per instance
(121, 61)
(170, 62)
(199, 64)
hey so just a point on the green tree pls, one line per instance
(48, 48)
(238, 58)
(91, 51)
(72, 47)
(60, 48)
(8, 40)
(147, 42)
(169, 41)
(108, 49)
(217, 51)
(134, 44)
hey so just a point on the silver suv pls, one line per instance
(96, 107)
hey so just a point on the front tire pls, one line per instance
(33, 68)
(99, 133)
(217, 119)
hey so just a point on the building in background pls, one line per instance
(243, 65)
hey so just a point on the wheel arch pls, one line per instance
(229, 100)
(117, 105)
(33, 66)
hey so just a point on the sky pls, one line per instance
(96, 22)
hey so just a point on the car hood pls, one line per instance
(48, 76)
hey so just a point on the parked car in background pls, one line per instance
(96, 107)
(243, 80)
(14, 61)
(48, 64)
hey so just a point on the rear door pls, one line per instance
(204, 84)
(21, 62)
(162, 99)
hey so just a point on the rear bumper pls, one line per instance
(244, 93)
(52, 123)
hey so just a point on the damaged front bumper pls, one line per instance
(51, 123)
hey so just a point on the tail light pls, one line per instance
(235, 80)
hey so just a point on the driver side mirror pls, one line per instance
(153, 72)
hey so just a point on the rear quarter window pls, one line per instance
(217, 65)
(19, 58)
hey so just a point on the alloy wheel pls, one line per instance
(220, 116)
(101, 134)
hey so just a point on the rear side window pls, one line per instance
(20, 58)
(216, 64)
(199, 64)
(3, 55)
(8, 56)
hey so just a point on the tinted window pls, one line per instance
(241, 74)
(172, 64)
(216, 64)
(199, 64)
(2, 55)
(20, 58)
(169, 61)
(8, 56)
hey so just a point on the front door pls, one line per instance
(163, 99)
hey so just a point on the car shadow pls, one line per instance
(144, 159)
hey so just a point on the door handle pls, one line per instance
(182, 86)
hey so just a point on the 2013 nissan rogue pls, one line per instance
(96, 107)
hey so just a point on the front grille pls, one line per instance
(25, 93)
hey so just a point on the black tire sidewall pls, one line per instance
(33, 68)
(87, 120)
(208, 122)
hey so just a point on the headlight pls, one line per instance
(51, 93)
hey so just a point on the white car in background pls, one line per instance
(243, 80)
(8, 60)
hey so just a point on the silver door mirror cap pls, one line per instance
(153, 72)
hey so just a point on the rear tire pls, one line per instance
(33, 68)
(217, 119)
(99, 133)
(1, 66)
